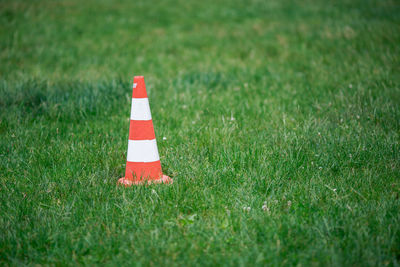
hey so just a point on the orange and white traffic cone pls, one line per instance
(143, 162)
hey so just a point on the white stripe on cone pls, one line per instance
(140, 109)
(142, 151)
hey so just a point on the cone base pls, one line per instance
(163, 180)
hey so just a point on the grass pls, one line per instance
(292, 104)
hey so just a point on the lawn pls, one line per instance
(278, 120)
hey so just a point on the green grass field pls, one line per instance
(290, 105)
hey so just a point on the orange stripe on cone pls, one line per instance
(143, 164)
(142, 170)
(141, 130)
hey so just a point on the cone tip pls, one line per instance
(139, 87)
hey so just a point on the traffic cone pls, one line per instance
(143, 162)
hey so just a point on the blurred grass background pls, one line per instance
(289, 105)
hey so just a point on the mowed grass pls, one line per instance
(293, 106)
